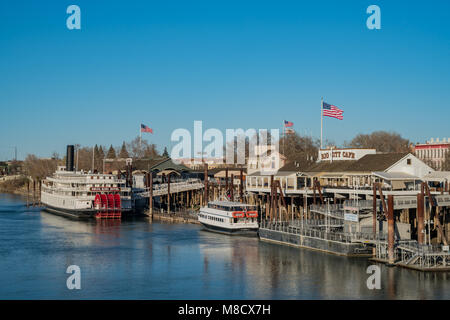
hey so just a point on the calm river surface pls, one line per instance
(135, 259)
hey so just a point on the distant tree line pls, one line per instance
(136, 149)
(294, 146)
(87, 157)
(303, 148)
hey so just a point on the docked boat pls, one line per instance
(85, 195)
(229, 217)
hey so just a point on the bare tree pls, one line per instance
(382, 141)
(298, 148)
(39, 169)
(446, 164)
(138, 148)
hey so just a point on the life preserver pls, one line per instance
(238, 214)
(252, 214)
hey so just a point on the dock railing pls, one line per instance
(305, 230)
(331, 210)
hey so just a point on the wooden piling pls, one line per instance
(34, 192)
(39, 195)
(241, 185)
(226, 180)
(374, 208)
(150, 190)
(206, 199)
(232, 187)
(168, 193)
(391, 230)
(28, 191)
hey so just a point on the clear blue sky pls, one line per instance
(232, 64)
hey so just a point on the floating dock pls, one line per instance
(304, 235)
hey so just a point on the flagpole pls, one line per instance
(321, 122)
(140, 137)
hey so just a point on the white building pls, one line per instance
(265, 159)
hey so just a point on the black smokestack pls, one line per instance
(69, 158)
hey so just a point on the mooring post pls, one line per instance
(39, 196)
(314, 191)
(241, 186)
(28, 191)
(232, 187)
(34, 192)
(226, 180)
(391, 229)
(374, 208)
(168, 193)
(150, 199)
(420, 218)
(206, 199)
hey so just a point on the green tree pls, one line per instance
(165, 153)
(123, 151)
(111, 153)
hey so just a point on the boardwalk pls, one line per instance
(175, 187)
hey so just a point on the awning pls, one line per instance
(235, 173)
(390, 176)
(398, 185)
(437, 176)
(332, 175)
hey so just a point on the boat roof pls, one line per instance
(230, 203)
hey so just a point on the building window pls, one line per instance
(408, 162)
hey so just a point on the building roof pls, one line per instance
(332, 166)
(395, 176)
(295, 166)
(159, 164)
(376, 162)
(437, 176)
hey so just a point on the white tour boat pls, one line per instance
(84, 195)
(229, 217)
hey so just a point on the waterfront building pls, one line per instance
(266, 158)
(433, 152)
(400, 173)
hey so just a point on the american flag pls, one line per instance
(144, 128)
(332, 111)
(288, 124)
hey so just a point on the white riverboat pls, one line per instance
(84, 194)
(229, 217)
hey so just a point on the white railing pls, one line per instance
(162, 189)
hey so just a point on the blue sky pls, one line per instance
(232, 64)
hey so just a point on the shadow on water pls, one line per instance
(137, 259)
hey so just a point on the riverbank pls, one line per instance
(174, 217)
(15, 185)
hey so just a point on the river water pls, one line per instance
(136, 259)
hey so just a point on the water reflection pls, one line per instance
(135, 259)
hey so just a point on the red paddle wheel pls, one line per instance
(108, 206)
